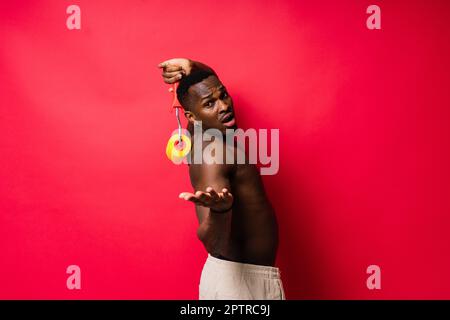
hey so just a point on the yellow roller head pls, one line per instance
(174, 152)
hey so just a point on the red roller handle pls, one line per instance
(175, 102)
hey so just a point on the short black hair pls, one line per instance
(188, 81)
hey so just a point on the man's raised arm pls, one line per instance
(175, 69)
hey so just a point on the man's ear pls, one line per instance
(190, 116)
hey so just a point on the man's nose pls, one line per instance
(223, 107)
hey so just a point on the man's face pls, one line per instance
(211, 104)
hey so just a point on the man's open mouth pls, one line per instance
(227, 118)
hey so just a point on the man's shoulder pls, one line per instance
(211, 168)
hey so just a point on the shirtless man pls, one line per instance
(237, 223)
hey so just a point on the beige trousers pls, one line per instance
(228, 280)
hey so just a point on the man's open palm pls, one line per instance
(217, 201)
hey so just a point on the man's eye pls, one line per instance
(209, 103)
(224, 94)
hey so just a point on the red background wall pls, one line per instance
(364, 143)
